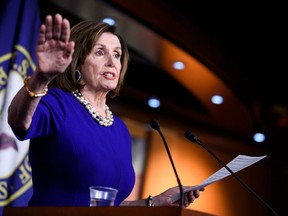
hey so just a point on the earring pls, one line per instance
(78, 75)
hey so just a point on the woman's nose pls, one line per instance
(110, 61)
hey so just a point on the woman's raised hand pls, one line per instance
(54, 50)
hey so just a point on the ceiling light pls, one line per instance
(109, 21)
(217, 99)
(259, 137)
(178, 65)
(153, 102)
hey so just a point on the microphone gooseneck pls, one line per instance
(156, 126)
(190, 136)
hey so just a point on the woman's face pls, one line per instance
(101, 69)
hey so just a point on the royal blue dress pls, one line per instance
(69, 151)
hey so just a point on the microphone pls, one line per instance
(190, 136)
(156, 126)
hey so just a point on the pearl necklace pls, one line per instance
(107, 121)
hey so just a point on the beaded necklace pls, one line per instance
(107, 121)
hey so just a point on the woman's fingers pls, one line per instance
(191, 196)
(49, 27)
(42, 35)
(65, 31)
(57, 28)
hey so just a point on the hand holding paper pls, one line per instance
(237, 164)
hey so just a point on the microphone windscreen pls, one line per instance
(189, 135)
(155, 124)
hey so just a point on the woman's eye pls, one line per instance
(99, 53)
(117, 55)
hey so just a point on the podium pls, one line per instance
(100, 211)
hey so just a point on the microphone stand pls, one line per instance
(156, 126)
(194, 139)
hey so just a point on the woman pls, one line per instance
(75, 141)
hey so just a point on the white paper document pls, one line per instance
(238, 163)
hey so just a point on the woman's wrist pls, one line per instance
(32, 93)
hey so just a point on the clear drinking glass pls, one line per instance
(102, 196)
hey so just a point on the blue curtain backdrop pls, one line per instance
(19, 28)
